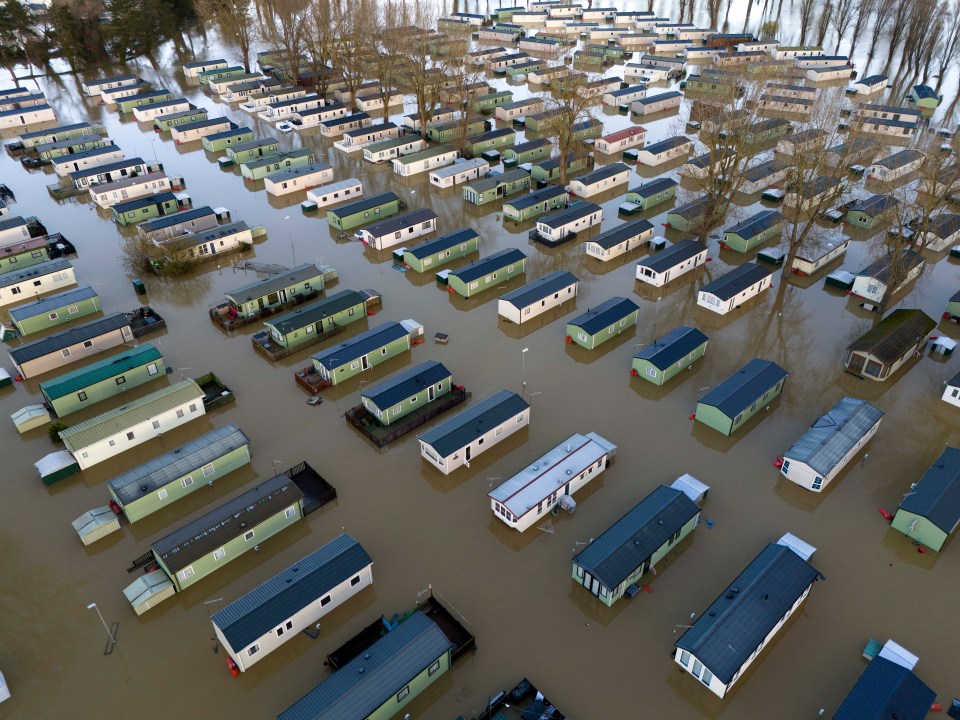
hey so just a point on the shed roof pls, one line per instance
(357, 206)
(35, 271)
(165, 221)
(315, 312)
(668, 349)
(945, 224)
(740, 390)
(834, 434)
(467, 426)
(485, 266)
(899, 159)
(103, 370)
(540, 288)
(672, 256)
(66, 338)
(236, 516)
(886, 690)
(937, 494)
(444, 242)
(924, 92)
(406, 383)
(624, 231)
(360, 345)
(141, 202)
(725, 636)
(668, 144)
(651, 188)
(604, 315)
(274, 283)
(126, 416)
(535, 198)
(52, 302)
(603, 173)
(736, 280)
(387, 667)
(896, 334)
(625, 545)
(573, 212)
(257, 612)
(756, 224)
(876, 204)
(164, 469)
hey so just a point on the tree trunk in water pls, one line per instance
(746, 22)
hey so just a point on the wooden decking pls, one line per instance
(264, 344)
(225, 316)
(215, 393)
(381, 435)
(317, 492)
(145, 321)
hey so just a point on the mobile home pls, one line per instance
(665, 150)
(748, 391)
(496, 186)
(54, 310)
(888, 345)
(36, 280)
(305, 324)
(619, 240)
(563, 225)
(110, 194)
(538, 297)
(398, 229)
(70, 345)
(359, 212)
(668, 355)
(441, 250)
(731, 290)
(407, 391)
(491, 271)
(672, 262)
(652, 193)
(298, 179)
(600, 180)
(461, 171)
(435, 157)
(361, 352)
(349, 189)
(601, 323)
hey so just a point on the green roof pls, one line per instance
(115, 421)
(91, 374)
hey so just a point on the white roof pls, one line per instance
(898, 654)
(542, 478)
(945, 342)
(691, 487)
(801, 548)
(28, 413)
(49, 464)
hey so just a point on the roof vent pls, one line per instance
(569, 471)
(659, 521)
(143, 488)
(729, 596)
(712, 613)
(735, 590)
(366, 656)
(766, 597)
(360, 670)
(636, 541)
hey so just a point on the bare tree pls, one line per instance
(319, 43)
(862, 11)
(823, 23)
(841, 18)
(713, 11)
(805, 17)
(569, 103)
(896, 31)
(233, 21)
(284, 24)
(949, 49)
(409, 41)
(882, 10)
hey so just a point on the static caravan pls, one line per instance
(294, 600)
(129, 104)
(547, 171)
(86, 160)
(438, 115)
(269, 165)
(240, 91)
(805, 196)
(872, 282)
(112, 97)
(457, 441)
(297, 179)
(441, 250)
(407, 391)
(424, 161)
(652, 192)
(192, 220)
(550, 482)
(160, 482)
(755, 230)
(93, 88)
(497, 186)
(870, 85)
(518, 108)
(527, 152)
(562, 226)
(220, 73)
(753, 609)
(222, 140)
(645, 72)
(731, 290)
(672, 262)
(611, 566)
(191, 132)
(193, 69)
(534, 204)
(68, 346)
(36, 280)
(619, 240)
(149, 113)
(603, 322)
(384, 150)
(870, 212)
(881, 126)
(337, 126)
(540, 45)
(897, 165)
(546, 75)
(929, 512)
(538, 297)
(600, 180)
(621, 140)
(689, 216)
(785, 103)
(810, 260)
(269, 294)
(492, 140)
(14, 230)
(830, 444)
(168, 121)
(456, 129)
(363, 211)
(666, 150)
(625, 96)
(349, 189)
(305, 324)
(49, 312)
(61, 132)
(459, 172)
(667, 356)
(741, 396)
(483, 274)
(19, 117)
(762, 176)
(491, 101)
(123, 428)
(943, 231)
(53, 150)
(373, 102)
(207, 244)
(253, 150)
(110, 194)
(888, 345)
(360, 138)
(361, 352)
(924, 97)
(257, 102)
(398, 229)
(223, 85)
(108, 173)
(810, 140)
(534, 18)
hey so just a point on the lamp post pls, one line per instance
(274, 463)
(93, 606)
(154, 147)
(523, 371)
(181, 369)
(208, 603)
(293, 252)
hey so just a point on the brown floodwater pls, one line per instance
(424, 529)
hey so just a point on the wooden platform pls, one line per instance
(381, 435)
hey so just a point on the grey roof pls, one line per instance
(315, 312)
(457, 237)
(164, 469)
(108, 168)
(651, 99)
(604, 315)
(201, 63)
(876, 204)
(944, 225)
(899, 159)
(192, 239)
(473, 422)
(234, 517)
(881, 268)
(620, 233)
(12, 222)
(268, 160)
(740, 390)
(352, 208)
(387, 667)
(142, 202)
(344, 120)
(736, 281)
(360, 345)
(668, 349)
(406, 383)
(54, 130)
(535, 291)
(672, 256)
(274, 283)
(83, 154)
(66, 338)
(937, 495)
(257, 612)
(103, 81)
(725, 636)
(496, 179)
(360, 132)
(525, 201)
(485, 266)
(228, 133)
(401, 222)
(871, 80)
(884, 691)
(896, 109)
(602, 173)
(253, 145)
(529, 144)
(298, 171)
(834, 434)
(693, 209)
(52, 302)
(651, 188)
(490, 135)
(756, 224)
(573, 212)
(34, 271)
(209, 122)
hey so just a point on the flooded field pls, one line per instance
(425, 529)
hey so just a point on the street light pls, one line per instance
(208, 603)
(93, 606)
(523, 370)
(290, 235)
(181, 369)
(274, 464)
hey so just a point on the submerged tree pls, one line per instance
(234, 21)
(568, 104)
